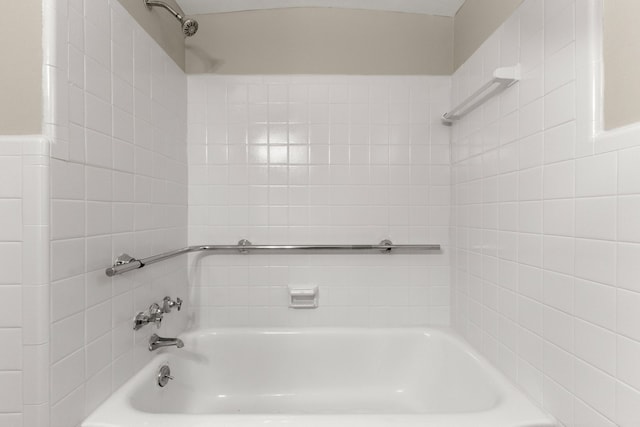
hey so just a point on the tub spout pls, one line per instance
(156, 342)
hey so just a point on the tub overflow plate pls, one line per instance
(164, 375)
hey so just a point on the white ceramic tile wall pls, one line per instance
(319, 160)
(117, 119)
(11, 372)
(23, 247)
(546, 244)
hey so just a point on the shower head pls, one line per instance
(189, 25)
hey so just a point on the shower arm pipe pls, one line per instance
(503, 78)
(126, 263)
(174, 12)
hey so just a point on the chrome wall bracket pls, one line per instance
(242, 246)
(123, 259)
(386, 242)
(124, 262)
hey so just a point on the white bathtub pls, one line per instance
(320, 378)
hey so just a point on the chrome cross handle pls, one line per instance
(168, 304)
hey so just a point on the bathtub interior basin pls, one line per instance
(321, 372)
(318, 377)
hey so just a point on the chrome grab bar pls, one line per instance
(126, 263)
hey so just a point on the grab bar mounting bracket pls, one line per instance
(242, 244)
(386, 242)
(124, 259)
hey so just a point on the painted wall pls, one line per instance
(21, 73)
(321, 41)
(546, 243)
(319, 160)
(621, 63)
(161, 26)
(475, 22)
(118, 184)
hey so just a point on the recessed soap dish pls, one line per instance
(303, 296)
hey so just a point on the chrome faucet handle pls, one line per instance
(140, 320)
(168, 304)
(155, 314)
(152, 315)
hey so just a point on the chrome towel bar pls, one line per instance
(126, 263)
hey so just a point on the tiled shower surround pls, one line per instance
(544, 226)
(319, 160)
(118, 180)
(537, 217)
(23, 248)
(11, 243)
